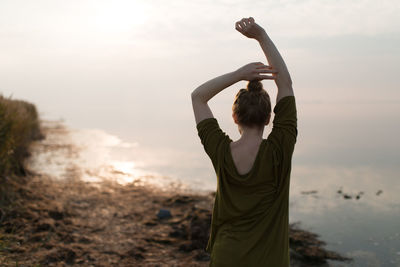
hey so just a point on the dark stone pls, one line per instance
(163, 214)
(346, 196)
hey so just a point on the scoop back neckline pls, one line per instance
(254, 163)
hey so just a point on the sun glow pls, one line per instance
(121, 16)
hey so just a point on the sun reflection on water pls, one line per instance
(93, 156)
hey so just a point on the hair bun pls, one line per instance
(254, 86)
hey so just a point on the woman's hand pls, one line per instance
(249, 28)
(255, 71)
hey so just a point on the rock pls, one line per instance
(358, 196)
(164, 214)
(346, 196)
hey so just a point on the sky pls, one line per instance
(129, 67)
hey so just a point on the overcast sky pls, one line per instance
(121, 65)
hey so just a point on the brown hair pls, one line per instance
(252, 105)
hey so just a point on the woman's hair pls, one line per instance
(252, 105)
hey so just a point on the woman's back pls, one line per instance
(244, 154)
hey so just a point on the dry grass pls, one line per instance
(19, 125)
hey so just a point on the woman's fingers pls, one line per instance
(265, 77)
(267, 71)
(260, 67)
(237, 26)
(245, 22)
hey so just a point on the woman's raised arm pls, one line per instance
(203, 93)
(250, 29)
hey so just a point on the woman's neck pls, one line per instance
(252, 133)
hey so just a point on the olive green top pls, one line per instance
(250, 221)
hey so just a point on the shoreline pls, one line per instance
(51, 222)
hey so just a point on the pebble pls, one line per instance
(163, 213)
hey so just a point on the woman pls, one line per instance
(250, 215)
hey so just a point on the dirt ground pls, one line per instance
(77, 223)
(85, 224)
